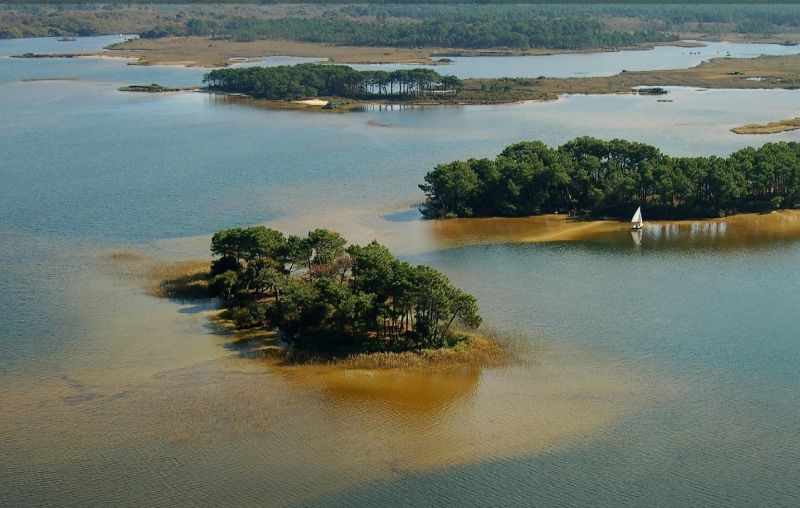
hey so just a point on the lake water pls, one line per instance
(598, 63)
(657, 371)
(556, 66)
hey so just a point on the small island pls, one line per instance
(313, 81)
(332, 302)
(593, 177)
(769, 128)
(153, 88)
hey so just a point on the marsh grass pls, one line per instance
(473, 350)
(769, 128)
(179, 280)
(186, 279)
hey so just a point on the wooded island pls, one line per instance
(596, 177)
(302, 81)
(326, 296)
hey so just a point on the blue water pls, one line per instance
(87, 168)
(598, 63)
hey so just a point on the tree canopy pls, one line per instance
(589, 175)
(316, 80)
(559, 33)
(322, 293)
(455, 24)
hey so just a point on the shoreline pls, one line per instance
(764, 72)
(476, 350)
(351, 105)
(769, 127)
(197, 51)
(744, 228)
(187, 281)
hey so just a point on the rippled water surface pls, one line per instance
(658, 368)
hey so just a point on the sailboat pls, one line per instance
(637, 221)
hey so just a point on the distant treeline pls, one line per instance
(704, 17)
(287, 82)
(589, 175)
(405, 24)
(559, 33)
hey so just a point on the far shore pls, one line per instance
(207, 52)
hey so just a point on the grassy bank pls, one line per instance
(208, 52)
(474, 350)
(769, 128)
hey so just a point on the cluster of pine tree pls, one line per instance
(315, 80)
(589, 175)
(324, 294)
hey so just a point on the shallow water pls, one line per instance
(566, 65)
(658, 371)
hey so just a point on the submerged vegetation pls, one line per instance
(314, 80)
(327, 297)
(593, 176)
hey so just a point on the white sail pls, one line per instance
(637, 217)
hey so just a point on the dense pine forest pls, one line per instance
(597, 177)
(323, 294)
(406, 24)
(560, 33)
(288, 82)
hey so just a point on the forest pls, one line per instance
(699, 17)
(558, 33)
(288, 82)
(324, 295)
(597, 177)
(467, 25)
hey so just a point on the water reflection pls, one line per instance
(739, 231)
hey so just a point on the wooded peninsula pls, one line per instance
(596, 177)
(332, 299)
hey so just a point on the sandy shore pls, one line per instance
(769, 128)
(732, 231)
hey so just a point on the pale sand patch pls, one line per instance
(312, 102)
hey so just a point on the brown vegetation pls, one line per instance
(474, 351)
(205, 52)
(769, 128)
(179, 279)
